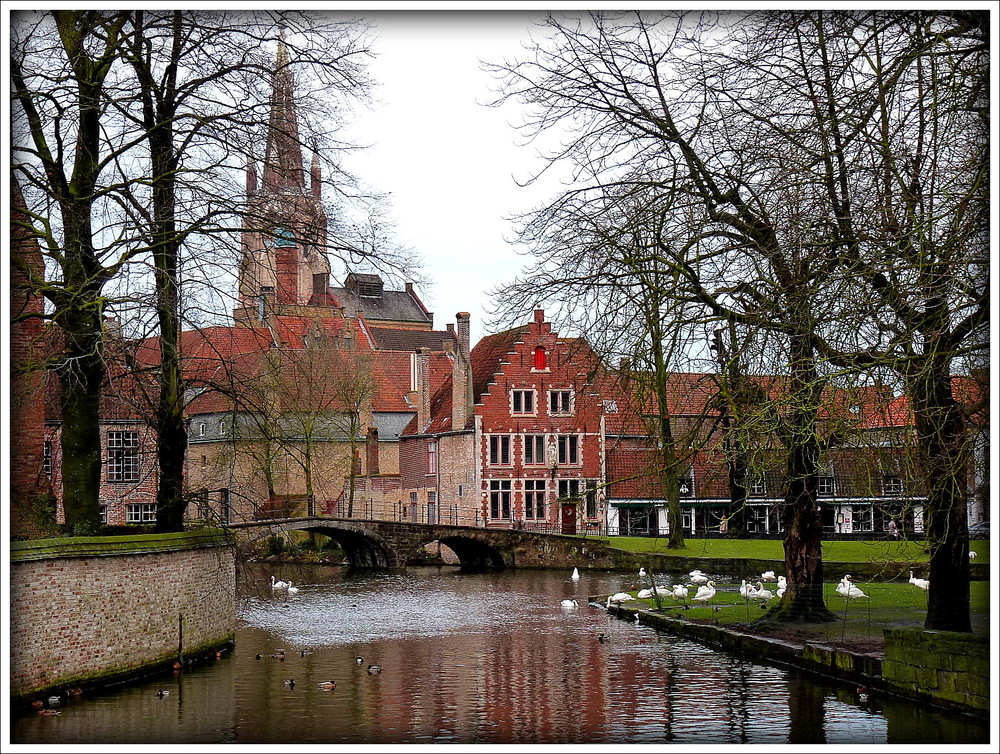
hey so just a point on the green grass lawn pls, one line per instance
(841, 551)
(897, 605)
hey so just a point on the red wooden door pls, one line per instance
(568, 518)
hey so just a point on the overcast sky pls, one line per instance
(448, 160)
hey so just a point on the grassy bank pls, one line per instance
(840, 551)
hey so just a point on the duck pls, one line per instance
(49, 712)
(373, 669)
(705, 593)
(327, 685)
(278, 654)
(569, 603)
(768, 576)
(38, 704)
(75, 691)
(278, 584)
(292, 589)
(258, 656)
(576, 575)
(55, 700)
(862, 692)
(290, 683)
(602, 639)
(162, 693)
(924, 584)
(359, 660)
(305, 652)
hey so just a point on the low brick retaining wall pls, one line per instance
(943, 668)
(88, 611)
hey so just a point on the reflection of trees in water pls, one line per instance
(805, 710)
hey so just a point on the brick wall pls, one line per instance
(82, 611)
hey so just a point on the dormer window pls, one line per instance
(541, 358)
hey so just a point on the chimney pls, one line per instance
(462, 318)
(539, 316)
(461, 375)
(371, 447)
(423, 388)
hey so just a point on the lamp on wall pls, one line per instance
(840, 519)
(684, 489)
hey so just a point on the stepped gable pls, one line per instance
(364, 295)
(487, 356)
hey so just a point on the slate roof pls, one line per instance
(390, 306)
(394, 339)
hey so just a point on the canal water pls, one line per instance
(470, 658)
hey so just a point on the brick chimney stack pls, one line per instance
(423, 388)
(461, 376)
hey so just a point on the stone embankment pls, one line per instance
(90, 611)
(947, 669)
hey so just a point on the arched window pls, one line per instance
(540, 357)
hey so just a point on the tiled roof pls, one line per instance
(487, 356)
(396, 339)
(391, 306)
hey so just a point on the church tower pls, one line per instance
(284, 264)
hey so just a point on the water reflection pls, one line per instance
(473, 658)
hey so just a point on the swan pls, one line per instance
(762, 594)
(278, 584)
(782, 586)
(620, 597)
(680, 592)
(327, 685)
(705, 593)
(768, 576)
(698, 578)
(696, 572)
(373, 669)
(849, 590)
(924, 584)
(569, 603)
(292, 589)
(746, 590)
(642, 572)
(576, 574)
(645, 594)
(973, 554)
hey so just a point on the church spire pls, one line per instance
(283, 155)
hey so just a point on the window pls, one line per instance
(568, 449)
(123, 456)
(413, 373)
(569, 489)
(534, 450)
(432, 462)
(140, 513)
(610, 406)
(47, 459)
(534, 498)
(541, 359)
(500, 499)
(499, 450)
(591, 498)
(561, 402)
(757, 486)
(204, 464)
(892, 486)
(757, 519)
(104, 514)
(522, 402)
(826, 486)
(413, 498)
(201, 429)
(685, 485)
(461, 490)
(864, 518)
(283, 236)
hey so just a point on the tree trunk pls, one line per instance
(942, 439)
(81, 376)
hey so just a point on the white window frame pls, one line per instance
(500, 499)
(892, 486)
(140, 513)
(497, 447)
(523, 396)
(826, 485)
(568, 448)
(123, 464)
(562, 402)
(536, 443)
(757, 486)
(47, 459)
(535, 491)
(432, 457)
(863, 517)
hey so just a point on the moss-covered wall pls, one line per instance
(952, 667)
(87, 609)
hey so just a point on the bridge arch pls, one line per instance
(472, 552)
(363, 547)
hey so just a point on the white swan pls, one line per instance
(278, 584)
(642, 572)
(973, 554)
(762, 594)
(645, 594)
(620, 597)
(746, 590)
(576, 575)
(705, 593)
(924, 584)
(696, 572)
(768, 576)
(849, 590)
(292, 589)
(680, 592)
(569, 603)
(782, 586)
(699, 578)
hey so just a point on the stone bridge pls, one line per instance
(391, 544)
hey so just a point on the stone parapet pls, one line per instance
(951, 667)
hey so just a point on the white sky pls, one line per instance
(447, 159)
